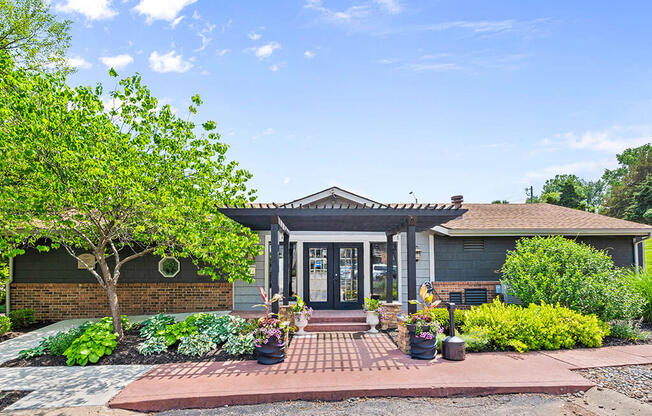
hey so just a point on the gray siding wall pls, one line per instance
(423, 265)
(453, 263)
(245, 295)
(57, 266)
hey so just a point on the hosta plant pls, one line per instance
(155, 324)
(152, 345)
(218, 327)
(242, 344)
(97, 341)
(173, 333)
(196, 345)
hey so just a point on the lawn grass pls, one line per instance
(648, 253)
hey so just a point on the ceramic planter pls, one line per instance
(271, 353)
(422, 349)
(373, 320)
(301, 323)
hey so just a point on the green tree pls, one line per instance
(498, 201)
(628, 195)
(120, 183)
(32, 35)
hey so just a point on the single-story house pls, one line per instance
(337, 246)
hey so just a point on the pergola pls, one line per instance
(388, 218)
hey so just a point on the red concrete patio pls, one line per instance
(342, 365)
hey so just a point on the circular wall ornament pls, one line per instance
(169, 266)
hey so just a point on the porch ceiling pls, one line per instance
(343, 218)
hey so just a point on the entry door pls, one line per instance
(332, 275)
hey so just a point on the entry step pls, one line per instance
(336, 326)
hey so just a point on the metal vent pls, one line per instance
(473, 244)
(455, 297)
(475, 296)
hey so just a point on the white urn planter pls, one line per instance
(301, 323)
(372, 320)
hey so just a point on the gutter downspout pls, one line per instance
(8, 286)
(637, 241)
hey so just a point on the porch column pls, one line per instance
(274, 260)
(286, 268)
(389, 282)
(411, 263)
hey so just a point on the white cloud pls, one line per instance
(254, 35)
(92, 9)
(222, 52)
(309, 54)
(286, 180)
(205, 40)
(118, 61)
(78, 62)
(592, 168)
(353, 12)
(391, 6)
(434, 67)
(169, 62)
(265, 51)
(612, 140)
(176, 21)
(161, 9)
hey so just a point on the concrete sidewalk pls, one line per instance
(339, 366)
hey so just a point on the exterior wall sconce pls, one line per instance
(417, 253)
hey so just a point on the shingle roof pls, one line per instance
(537, 217)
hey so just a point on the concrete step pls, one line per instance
(336, 327)
(332, 319)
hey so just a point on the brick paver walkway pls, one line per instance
(338, 366)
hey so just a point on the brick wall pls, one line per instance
(55, 301)
(444, 289)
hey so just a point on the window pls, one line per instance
(473, 244)
(379, 271)
(293, 267)
(169, 267)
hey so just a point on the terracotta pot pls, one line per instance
(271, 353)
(373, 320)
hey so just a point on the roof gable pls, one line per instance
(334, 196)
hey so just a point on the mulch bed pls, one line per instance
(22, 331)
(126, 353)
(611, 341)
(634, 381)
(9, 397)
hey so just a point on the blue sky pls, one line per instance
(384, 97)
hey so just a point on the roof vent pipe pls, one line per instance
(457, 199)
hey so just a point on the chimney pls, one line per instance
(457, 199)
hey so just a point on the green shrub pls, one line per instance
(218, 327)
(476, 340)
(60, 342)
(536, 327)
(171, 334)
(97, 341)
(442, 316)
(241, 344)
(152, 345)
(628, 330)
(154, 324)
(5, 324)
(22, 318)
(641, 282)
(196, 345)
(558, 270)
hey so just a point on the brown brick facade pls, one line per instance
(54, 301)
(445, 288)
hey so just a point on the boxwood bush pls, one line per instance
(442, 316)
(536, 327)
(21, 318)
(5, 324)
(576, 275)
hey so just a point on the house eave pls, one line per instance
(541, 231)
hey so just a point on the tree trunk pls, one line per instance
(112, 295)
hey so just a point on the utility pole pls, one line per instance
(531, 194)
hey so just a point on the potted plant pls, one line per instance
(302, 314)
(374, 313)
(423, 329)
(269, 335)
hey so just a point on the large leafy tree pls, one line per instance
(120, 181)
(32, 35)
(630, 191)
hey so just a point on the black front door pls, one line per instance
(332, 275)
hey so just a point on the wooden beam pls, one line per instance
(274, 228)
(281, 225)
(411, 263)
(389, 282)
(286, 268)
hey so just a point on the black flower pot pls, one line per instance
(271, 353)
(422, 349)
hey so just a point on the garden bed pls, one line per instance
(9, 397)
(126, 352)
(22, 331)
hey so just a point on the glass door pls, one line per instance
(332, 275)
